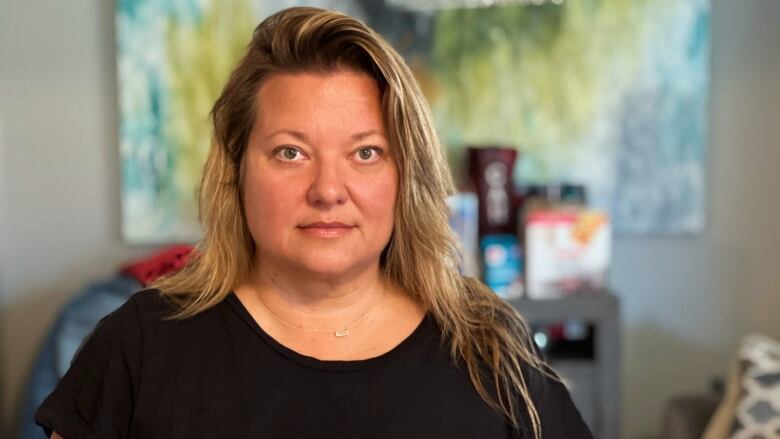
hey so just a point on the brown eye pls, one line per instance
(288, 153)
(368, 154)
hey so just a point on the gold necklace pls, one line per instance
(338, 332)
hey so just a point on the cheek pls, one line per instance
(379, 197)
(267, 203)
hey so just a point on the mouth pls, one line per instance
(326, 229)
(326, 225)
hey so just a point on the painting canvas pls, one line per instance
(609, 93)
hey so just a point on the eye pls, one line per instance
(288, 153)
(369, 154)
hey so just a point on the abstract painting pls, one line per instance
(612, 94)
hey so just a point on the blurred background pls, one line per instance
(85, 190)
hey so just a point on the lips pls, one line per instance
(322, 229)
(326, 225)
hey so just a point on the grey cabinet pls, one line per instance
(593, 383)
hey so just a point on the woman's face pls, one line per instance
(320, 180)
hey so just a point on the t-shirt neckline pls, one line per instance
(413, 339)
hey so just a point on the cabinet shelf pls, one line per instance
(593, 383)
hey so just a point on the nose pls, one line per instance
(328, 187)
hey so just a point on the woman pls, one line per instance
(324, 300)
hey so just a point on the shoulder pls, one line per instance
(559, 416)
(151, 302)
(142, 304)
(125, 324)
(149, 306)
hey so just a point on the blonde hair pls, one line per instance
(484, 332)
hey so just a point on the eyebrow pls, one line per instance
(297, 134)
(364, 134)
(303, 138)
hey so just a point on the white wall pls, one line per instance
(686, 301)
(3, 385)
(60, 175)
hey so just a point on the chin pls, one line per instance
(334, 267)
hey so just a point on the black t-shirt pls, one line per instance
(219, 375)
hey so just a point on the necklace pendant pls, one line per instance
(342, 332)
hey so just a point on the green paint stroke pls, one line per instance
(531, 77)
(202, 55)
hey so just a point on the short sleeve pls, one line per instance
(95, 397)
(560, 418)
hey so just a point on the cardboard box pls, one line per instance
(567, 250)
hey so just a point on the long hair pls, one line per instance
(483, 332)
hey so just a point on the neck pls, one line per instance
(318, 301)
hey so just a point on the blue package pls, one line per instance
(502, 263)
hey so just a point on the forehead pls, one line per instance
(311, 100)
